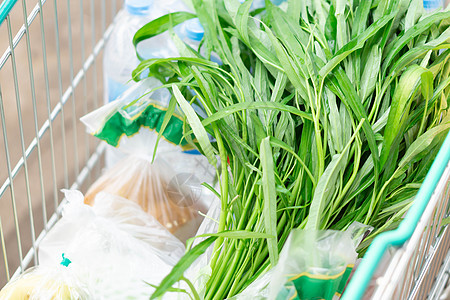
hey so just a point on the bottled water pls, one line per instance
(120, 58)
(431, 5)
(191, 32)
(256, 4)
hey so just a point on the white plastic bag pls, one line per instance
(114, 246)
(169, 186)
(46, 283)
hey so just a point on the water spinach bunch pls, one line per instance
(322, 114)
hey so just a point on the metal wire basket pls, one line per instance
(50, 75)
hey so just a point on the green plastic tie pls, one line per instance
(65, 261)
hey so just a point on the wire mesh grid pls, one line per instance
(50, 75)
(418, 270)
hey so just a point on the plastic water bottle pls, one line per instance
(191, 32)
(120, 58)
(161, 46)
(431, 5)
(169, 6)
(256, 4)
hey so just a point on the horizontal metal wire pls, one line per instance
(20, 33)
(87, 64)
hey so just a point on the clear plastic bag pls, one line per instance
(115, 247)
(316, 264)
(166, 184)
(46, 283)
(312, 265)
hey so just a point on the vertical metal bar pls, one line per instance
(85, 96)
(433, 223)
(94, 70)
(416, 253)
(47, 93)
(408, 279)
(22, 140)
(421, 248)
(8, 166)
(74, 109)
(442, 210)
(103, 16)
(114, 9)
(63, 132)
(5, 256)
(93, 47)
(36, 127)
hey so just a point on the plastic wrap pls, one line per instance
(200, 271)
(312, 265)
(316, 264)
(116, 248)
(166, 184)
(46, 283)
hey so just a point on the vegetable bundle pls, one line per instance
(323, 113)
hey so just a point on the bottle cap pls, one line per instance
(432, 4)
(138, 7)
(194, 30)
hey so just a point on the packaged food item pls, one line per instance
(165, 183)
(46, 283)
(116, 250)
(115, 221)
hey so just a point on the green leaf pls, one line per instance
(422, 143)
(178, 270)
(159, 26)
(167, 61)
(370, 73)
(353, 104)
(294, 9)
(196, 125)
(411, 33)
(270, 199)
(445, 221)
(330, 28)
(401, 102)
(229, 110)
(231, 234)
(355, 44)
(277, 143)
(242, 20)
(412, 13)
(361, 17)
(286, 62)
(167, 116)
(326, 186)
(171, 290)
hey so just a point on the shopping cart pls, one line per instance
(50, 75)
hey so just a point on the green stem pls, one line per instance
(191, 286)
(239, 275)
(224, 194)
(224, 286)
(224, 267)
